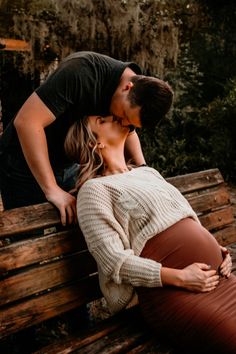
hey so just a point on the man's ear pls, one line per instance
(128, 86)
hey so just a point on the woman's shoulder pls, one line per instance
(90, 185)
(95, 186)
(148, 170)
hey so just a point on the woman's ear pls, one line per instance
(101, 145)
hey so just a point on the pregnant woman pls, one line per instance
(146, 239)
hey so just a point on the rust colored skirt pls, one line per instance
(194, 322)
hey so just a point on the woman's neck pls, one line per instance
(114, 164)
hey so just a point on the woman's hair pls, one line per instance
(81, 145)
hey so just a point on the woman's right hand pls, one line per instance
(198, 277)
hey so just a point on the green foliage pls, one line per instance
(220, 120)
(195, 140)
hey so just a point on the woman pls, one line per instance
(145, 236)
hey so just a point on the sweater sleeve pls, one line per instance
(104, 234)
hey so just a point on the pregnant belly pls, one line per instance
(182, 244)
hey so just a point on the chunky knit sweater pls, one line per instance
(118, 214)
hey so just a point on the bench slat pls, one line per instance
(41, 278)
(43, 307)
(73, 343)
(33, 217)
(126, 338)
(209, 200)
(30, 251)
(197, 180)
(217, 219)
(227, 235)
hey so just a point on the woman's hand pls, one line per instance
(226, 266)
(198, 277)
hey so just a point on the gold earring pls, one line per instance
(101, 145)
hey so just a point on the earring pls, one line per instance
(101, 145)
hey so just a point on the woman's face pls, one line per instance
(108, 129)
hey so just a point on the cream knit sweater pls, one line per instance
(118, 214)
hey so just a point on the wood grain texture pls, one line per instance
(36, 279)
(29, 218)
(39, 249)
(197, 180)
(37, 309)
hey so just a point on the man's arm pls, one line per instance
(30, 122)
(133, 149)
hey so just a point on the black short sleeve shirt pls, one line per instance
(83, 84)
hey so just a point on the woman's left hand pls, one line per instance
(226, 266)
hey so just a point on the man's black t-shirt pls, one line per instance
(83, 84)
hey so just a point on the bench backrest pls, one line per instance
(46, 269)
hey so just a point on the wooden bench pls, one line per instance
(46, 271)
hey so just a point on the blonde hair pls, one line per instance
(81, 145)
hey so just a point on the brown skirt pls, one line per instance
(195, 322)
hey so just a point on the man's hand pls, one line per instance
(65, 203)
(226, 266)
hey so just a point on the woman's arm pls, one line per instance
(196, 277)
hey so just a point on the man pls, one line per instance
(34, 167)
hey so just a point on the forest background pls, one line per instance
(191, 44)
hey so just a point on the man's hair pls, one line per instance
(153, 95)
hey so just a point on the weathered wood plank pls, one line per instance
(29, 218)
(24, 253)
(151, 346)
(122, 340)
(43, 307)
(217, 219)
(226, 235)
(197, 180)
(210, 200)
(73, 343)
(40, 278)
